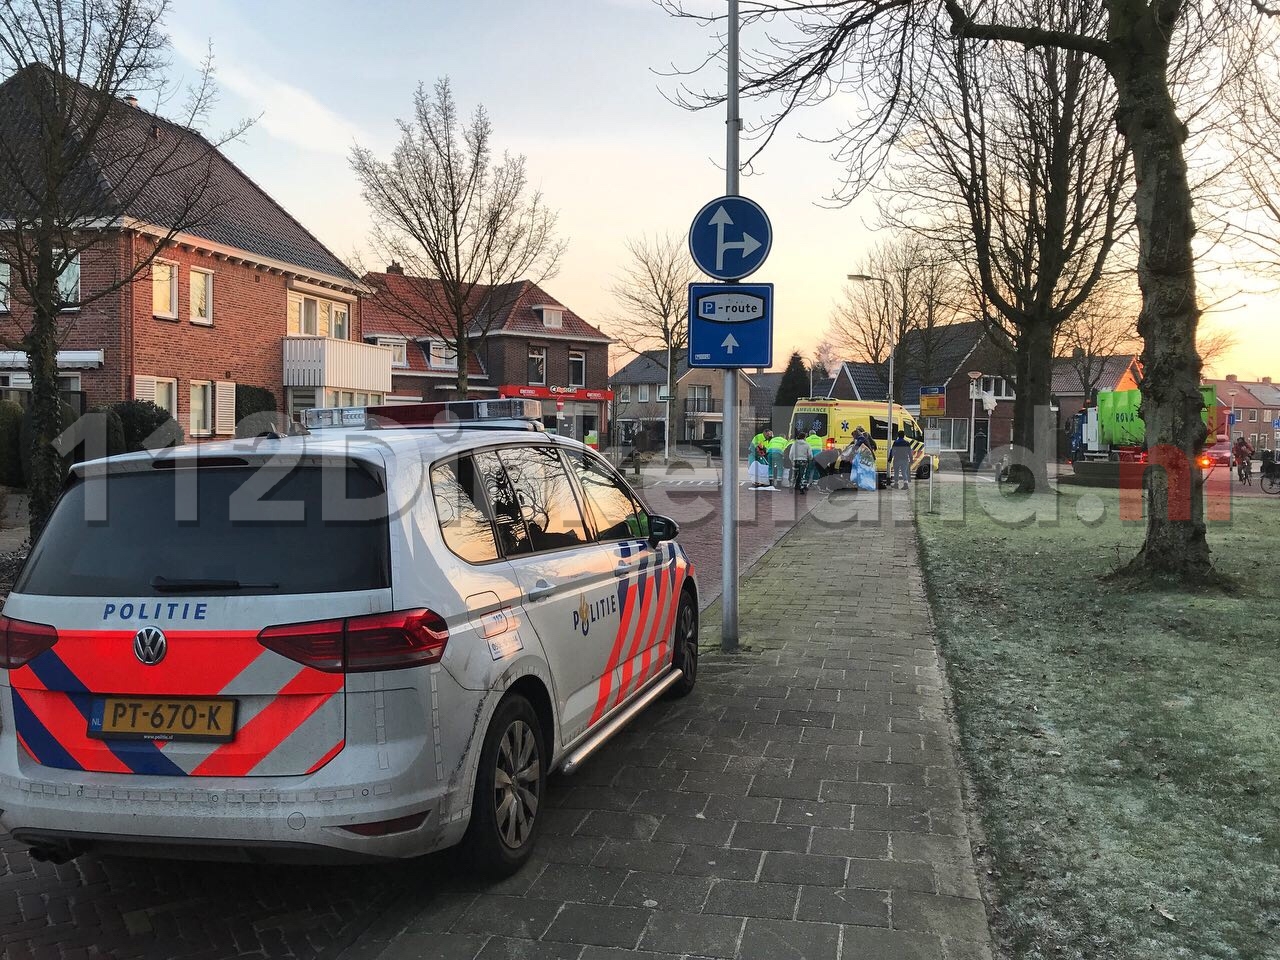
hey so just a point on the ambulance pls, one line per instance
(375, 640)
(835, 420)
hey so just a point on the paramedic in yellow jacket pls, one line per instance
(776, 447)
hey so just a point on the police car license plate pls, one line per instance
(154, 718)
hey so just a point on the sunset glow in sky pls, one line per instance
(572, 85)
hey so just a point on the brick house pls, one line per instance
(1257, 406)
(246, 295)
(523, 343)
(697, 408)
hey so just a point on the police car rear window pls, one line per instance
(268, 531)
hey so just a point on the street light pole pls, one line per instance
(1231, 441)
(729, 437)
(974, 377)
(888, 423)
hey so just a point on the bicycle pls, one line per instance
(1244, 470)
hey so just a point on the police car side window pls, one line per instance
(545, 495)
(513, 535)
(617, 516)
(462, 510)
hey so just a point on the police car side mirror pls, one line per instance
(661, 529)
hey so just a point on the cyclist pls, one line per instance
(1242, 452)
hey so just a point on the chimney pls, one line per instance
(1231, 378)
(1266, 380)
(394, 267)
(131, 100)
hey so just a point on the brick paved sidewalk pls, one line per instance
(803, 803)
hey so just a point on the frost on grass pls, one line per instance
(1126, 743)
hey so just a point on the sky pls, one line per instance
(578, 87)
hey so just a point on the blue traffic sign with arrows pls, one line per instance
(730, 325)
(730, 238)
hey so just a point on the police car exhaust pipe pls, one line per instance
(607, 732)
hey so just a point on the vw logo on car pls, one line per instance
(150, 645)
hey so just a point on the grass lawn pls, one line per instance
(1125, 743)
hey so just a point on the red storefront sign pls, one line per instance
(559, 394)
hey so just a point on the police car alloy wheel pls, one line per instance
(686, 645)
(510, 790)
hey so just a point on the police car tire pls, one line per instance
(685, 643)
(487, 852)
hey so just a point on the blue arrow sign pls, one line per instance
(730, 325)
(1275, 424)
(1233, 419)
(730, 238)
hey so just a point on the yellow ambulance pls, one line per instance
(835, 420)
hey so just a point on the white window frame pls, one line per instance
(438, 355)
(191, 296)
(172, 313)
(399, 350)
(345, 310)
(6, 281)
(534, 352)
(642, 394)
(1253, 415)
(575, 356)
(197, 431)
(998, 387)
(170, 382)
(303, 299)
(74, 261)
(662, 393)
(553, 318)
(624, 393)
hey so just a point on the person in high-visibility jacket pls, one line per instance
(815, 445)
(776, 447)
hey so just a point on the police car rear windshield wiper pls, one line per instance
(166, 585)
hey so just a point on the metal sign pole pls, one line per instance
(729, 436)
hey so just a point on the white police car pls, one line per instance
(357, 643)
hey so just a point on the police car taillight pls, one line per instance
(380, 641)
(22, 642)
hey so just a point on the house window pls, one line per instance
(643, 392)
(201, 408)
(1253, 416)
(166, 395)
(1253, 440)
(201, 296)
(68, 381)
(577, 368)
(537, 365)
(4, 287)
(954, 434)
(624, 393)
(1001, 388)
(69, 283)
(663, 395)
(313, 317)
(443, 356)
(552, 318)
(399, 351)
(164, 289)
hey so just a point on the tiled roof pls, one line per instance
(869, 378)
(417, 307)
(1244, 395)
(1068, 382)
(1268, 393)
(232, 211)
(651, 367)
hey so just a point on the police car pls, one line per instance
(376, 640)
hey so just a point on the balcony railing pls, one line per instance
(701, 405)
(339, 364)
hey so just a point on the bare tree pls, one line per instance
(823, 359)
(1104, 326)
(79, 163)
(653, 298)
(869, 49)
(1213, 343)
(1255, 100)
(464, 227)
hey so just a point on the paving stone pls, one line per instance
(760, 809)
(803, 868)
(601, 926)
(501, 948)
(770, 836)
(850, 843)
(638, 855)
(520, 917)
(864, 794)
(433, 946)
(930, 847)
(890, 875)
(669, 801)
(796, 788)
(945, 916)
(701, 935)
(579, 884)
(790, 940)
(889, 818)
(741, 898)
(870, 943)
(616, 953)
(698, 830)
(719, 862)
(816, 813)
(623, 826)
(662, 891)
(868, 908)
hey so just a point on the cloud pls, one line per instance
(288, 112)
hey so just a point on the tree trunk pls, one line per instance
(45, 481)
(464, 358)
(1171, 402)
(1033, 372)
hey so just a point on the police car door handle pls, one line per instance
(541, 590)
(624, 568)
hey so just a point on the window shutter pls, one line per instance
(224, 419)
(144, 388)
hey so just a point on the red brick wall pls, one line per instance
(506, 360)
